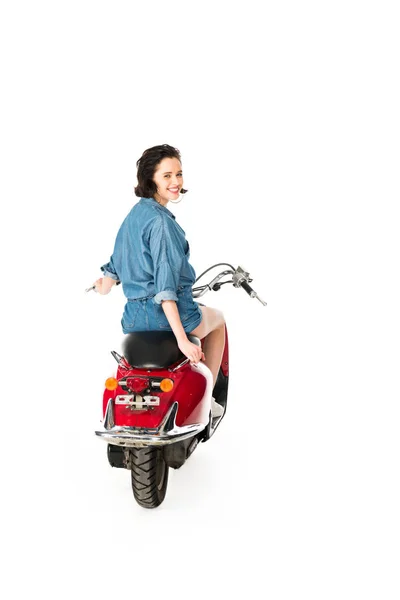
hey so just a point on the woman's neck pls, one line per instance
(158, 199)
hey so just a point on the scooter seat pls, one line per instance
(153, 349)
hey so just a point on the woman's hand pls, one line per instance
(191, 351)
(104, 285)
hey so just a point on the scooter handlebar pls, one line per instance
(252, 293)
(248, 288)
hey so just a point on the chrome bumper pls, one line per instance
(167, 433)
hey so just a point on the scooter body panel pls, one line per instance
(192, 391)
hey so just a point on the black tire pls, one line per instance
(149, 474)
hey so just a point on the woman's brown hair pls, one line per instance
(146, 167)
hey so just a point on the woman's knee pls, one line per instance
(212, 319)
(220, 317)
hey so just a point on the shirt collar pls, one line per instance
(158, 205)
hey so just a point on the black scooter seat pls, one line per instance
(153, 349)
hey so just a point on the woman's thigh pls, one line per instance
(212, 319)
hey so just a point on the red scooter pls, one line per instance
(157, 408)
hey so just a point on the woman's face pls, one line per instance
(168, 179)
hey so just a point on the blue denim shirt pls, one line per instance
(151, 254)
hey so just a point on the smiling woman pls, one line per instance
(169, 183)
(151, 260)
(155, 167)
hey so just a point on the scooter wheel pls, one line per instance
(149, 474)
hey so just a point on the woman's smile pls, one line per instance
(168, 179)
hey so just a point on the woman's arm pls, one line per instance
(190, 350)
(167, 259)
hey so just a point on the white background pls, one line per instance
(287, 117)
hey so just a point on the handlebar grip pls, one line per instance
(247, 288)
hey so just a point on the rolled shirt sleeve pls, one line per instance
(109, 270)
(167, 260)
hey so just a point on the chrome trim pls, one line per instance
(197, 294)
(240, 275)
(167, 433)
(119, 359)
(209, 286)
(109, 422)
(137, 401)
(258, 298)
(184, 362)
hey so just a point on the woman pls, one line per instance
(151, 260)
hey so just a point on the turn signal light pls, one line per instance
(111, 384)
(166, 385)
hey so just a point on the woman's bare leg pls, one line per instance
(213, 348)
(212, 330)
